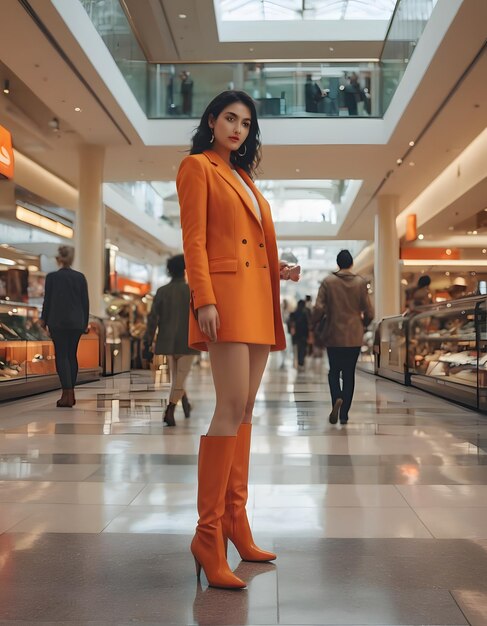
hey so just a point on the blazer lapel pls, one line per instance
(224, 171)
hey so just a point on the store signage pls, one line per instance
(6, 154)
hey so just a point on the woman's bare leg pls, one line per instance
(258, 360)
(230, 370)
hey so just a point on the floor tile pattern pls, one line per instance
(381, 522)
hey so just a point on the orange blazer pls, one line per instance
(230, 253)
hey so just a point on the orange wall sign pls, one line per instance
(436, 254)
(6, 154)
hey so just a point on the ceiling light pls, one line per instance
(297, 170)
(421, 237)
(46, 223)
(412, 163)
(411, 143)
(77, 109)
(251, 49)
(448, 251)
(33, 268)
(54, 124)
(469, 232)
(447, 273)
(6, 86)
(399, 161)
(182, 16)
(331, 49)
(451, 227)
(6, 261)
(484, 250)
(475, 232)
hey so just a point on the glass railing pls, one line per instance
(407, 26)
(280, 89)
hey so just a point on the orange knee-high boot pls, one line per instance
(214, 463)
(235, 523)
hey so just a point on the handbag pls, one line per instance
(320, 332)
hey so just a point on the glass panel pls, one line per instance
(406, 28)
(111, 23)
(393, 344)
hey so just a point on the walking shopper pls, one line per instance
(344, 309)
(66, 315)
(233, 268)
(170, 316)
(298, 321)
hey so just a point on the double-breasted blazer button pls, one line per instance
(261, 245)
(247, 263)
(244, 241)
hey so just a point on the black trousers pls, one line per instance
(66, 345)
(302, 345)
(342, 362)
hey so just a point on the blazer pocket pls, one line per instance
(222, 265)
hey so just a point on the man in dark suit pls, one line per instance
(66, 314)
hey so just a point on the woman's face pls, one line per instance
(231, 128)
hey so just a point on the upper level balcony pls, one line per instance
(291, 88)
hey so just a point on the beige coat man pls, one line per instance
(344, 299)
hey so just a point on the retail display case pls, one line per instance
(447, 350)
(392, 348)
(27, 358)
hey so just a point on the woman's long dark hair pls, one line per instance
(251, 147)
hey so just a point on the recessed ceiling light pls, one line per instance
(421, 237)
(484, 250)
(332, 49)
(411, 143)
(297, 170)
(77, 109)
(33, 268)
(251, 49)
(182, 16)
(448, 251)
(412, 163)
(475, 232)
(447, 273)
(399, 161)
(6, 86)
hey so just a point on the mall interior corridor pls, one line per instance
(381, 522)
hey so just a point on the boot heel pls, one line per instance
(198, 568)
(225, 545)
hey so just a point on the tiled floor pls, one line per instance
(383, 522)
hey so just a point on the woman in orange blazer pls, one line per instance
(233, 270)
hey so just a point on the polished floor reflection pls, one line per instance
(382, 522)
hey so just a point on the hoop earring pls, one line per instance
(212, 137)
(244, 153)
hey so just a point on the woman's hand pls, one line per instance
(209, 321)
(289, 272)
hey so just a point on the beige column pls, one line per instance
(90, 224)
(386, 270)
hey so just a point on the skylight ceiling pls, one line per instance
(267, 10)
